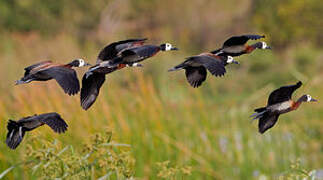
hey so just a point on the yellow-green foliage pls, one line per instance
(296, 171)
(203, 133)
(101, 157)
(168, 172)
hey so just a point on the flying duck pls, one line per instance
(17, 129)
(131, 56)
(94, 78)
(236, 45)
(62, 73)
(196, 66)
(279, 102)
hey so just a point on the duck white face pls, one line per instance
(230, 60)
(265, 46)
(81, 62)
(168, 47)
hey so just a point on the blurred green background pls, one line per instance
(157, 113)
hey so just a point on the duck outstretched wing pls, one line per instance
(213, 65)
(283, 93)
(266, 122)
(195, 75)
(65, 77)
(31, 67)
(53, 120)
(240, 40)
(91, 85)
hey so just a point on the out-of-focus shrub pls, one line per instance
(49, 16)
(289, 21)
(99, 158)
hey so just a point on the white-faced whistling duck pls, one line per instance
(196, 66)
(62, 73)
(94, 78)
(236, 45)
(131, 56)
(17, 129)
(279, 102)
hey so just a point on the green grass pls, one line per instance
(163, 119)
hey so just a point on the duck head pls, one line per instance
(167, 47)
(265, 46)
(306, 98)
(78, 63)
(230, 60)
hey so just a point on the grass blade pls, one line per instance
(6, 172)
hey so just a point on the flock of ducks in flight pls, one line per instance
(129, 53)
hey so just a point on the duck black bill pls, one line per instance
(235, 62)
(18, 82)
(174, 49)
(313, 100)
